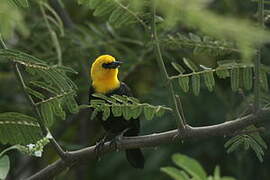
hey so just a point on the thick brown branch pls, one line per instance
(168, 137)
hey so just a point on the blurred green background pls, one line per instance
(88, 37)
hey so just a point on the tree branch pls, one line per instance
(157, 139)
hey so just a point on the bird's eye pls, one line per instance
(106, 65)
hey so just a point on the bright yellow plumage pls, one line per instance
(104, 79)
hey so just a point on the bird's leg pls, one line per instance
(118, 138)
(100, 144)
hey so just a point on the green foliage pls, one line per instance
(247, 141)
(128, 107)
(51, 86)
(17, 128)
(199, 45)
(4, 166)
(191, 170)
(118, 14)
(241, 75)
(20, 3)
(246, 35)
(11, 18)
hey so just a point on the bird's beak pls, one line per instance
(112, 65)
(116, 64)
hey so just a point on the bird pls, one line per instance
(104, 76)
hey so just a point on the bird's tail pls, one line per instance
(135, 158)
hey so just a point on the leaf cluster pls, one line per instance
(199, 45)
(118, 14)
(52, 88)
(123, 106)
(247, 141)
(240, 74)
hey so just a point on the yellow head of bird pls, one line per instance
(104, 71)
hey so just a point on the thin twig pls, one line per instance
(163, 70)
(181, 108)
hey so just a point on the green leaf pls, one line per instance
(4, 166)
(120, 99)
(105, 8)
(226, 63)
(159, 111)
(102, 96)
(127, 114)
(72, 104)
(21, 3)
(190, 65)
(173, 173)
(222, 73)
(67, 69)
(264, 80)
(256, 148)
(235, 78)
(47, 114)
(45, 86)
(57, 109)
(117, 110)
(184, 83)
(133, 100)
(106, 112)
(190, 165)
(231, 141)
(136, 111)
(247, 78)
(23, 58)
(178, 67)
(35, 93)
(235, 145)
(209, 80)
(17, 128)
(94, 3)
(196, 84)
(149, 112)
(96, 102)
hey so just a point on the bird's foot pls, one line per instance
(100, 145)
(115, 141)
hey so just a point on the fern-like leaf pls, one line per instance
(128, 107)
(17, 128)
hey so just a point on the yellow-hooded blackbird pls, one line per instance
(104, 75)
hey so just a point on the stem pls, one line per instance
(257, 88)
(165, 75)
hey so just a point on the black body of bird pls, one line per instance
(110, 85)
